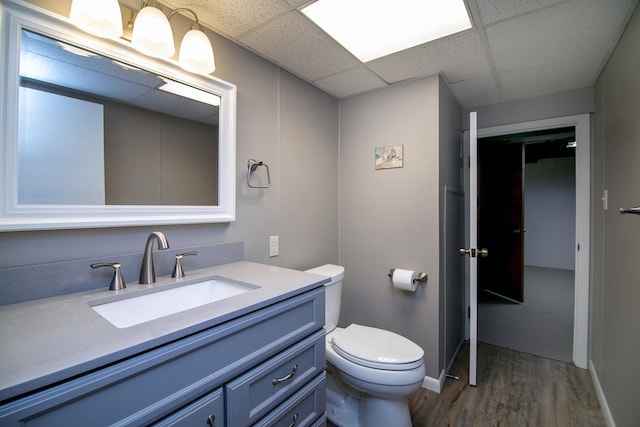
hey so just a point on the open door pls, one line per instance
(582, 125)
(501, 218)
(471, 251)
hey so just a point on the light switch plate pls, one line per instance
(274, 246)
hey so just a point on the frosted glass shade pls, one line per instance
(196, 53)
(98, 17)
(152, 33)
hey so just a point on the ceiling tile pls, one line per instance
(296, 3)
(459, 57)
(572, 73)
(350, 82)
(232, 18)
(300, 47)
(476, 92)
(570, 29)
(498, 10)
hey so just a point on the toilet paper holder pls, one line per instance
(421, 277)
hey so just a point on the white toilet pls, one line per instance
(371, 371)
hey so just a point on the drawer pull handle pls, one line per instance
(211, 420)
(295, 418)
(286, 377)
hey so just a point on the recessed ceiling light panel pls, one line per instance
(370, 29)
(191, 92)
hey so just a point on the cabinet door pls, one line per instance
(208, 410)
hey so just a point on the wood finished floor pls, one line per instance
(514, 389)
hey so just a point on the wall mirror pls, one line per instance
(96, 135)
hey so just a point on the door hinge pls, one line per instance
(469, 312)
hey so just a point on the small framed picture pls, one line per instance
(390, 157)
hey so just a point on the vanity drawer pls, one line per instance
(208, 410)
(304, 409)
(261, 389)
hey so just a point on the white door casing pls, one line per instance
(582, 125)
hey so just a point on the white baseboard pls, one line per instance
(606, 412)
(434, 384)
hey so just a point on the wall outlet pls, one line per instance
(274, 246)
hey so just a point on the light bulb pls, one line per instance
(98, 17)
(152, 33)
(196, 53)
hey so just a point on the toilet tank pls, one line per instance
(332, 294)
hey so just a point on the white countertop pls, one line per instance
(48, 340)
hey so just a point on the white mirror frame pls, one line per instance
(17, 16)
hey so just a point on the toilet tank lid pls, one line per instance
(335, 272)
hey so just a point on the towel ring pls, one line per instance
(252, 165)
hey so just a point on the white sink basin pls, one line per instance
(135, 310)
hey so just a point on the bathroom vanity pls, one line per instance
(256, 358)
(72, 352)
(71, 355)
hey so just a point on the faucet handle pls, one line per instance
(117, 282)
(178, 272)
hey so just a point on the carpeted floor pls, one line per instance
(542, 325)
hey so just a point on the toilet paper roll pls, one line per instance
(404, 279)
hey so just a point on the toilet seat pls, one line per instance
(377, 348)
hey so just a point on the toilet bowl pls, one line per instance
(371, 371)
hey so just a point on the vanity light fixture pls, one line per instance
(98, 17)
(152, 36)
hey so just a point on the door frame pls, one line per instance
(582, 125)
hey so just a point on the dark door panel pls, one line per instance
(501, 219)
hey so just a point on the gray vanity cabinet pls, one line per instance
(264, 368)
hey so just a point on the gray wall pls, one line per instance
(390, 218)
(615, 317)
(310, 176)
(550, 213)
(569, 103)
(288, 124)
(173, 168)
(452, 286)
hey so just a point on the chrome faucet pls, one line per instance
(147, 273)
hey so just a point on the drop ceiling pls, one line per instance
(516, 48)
